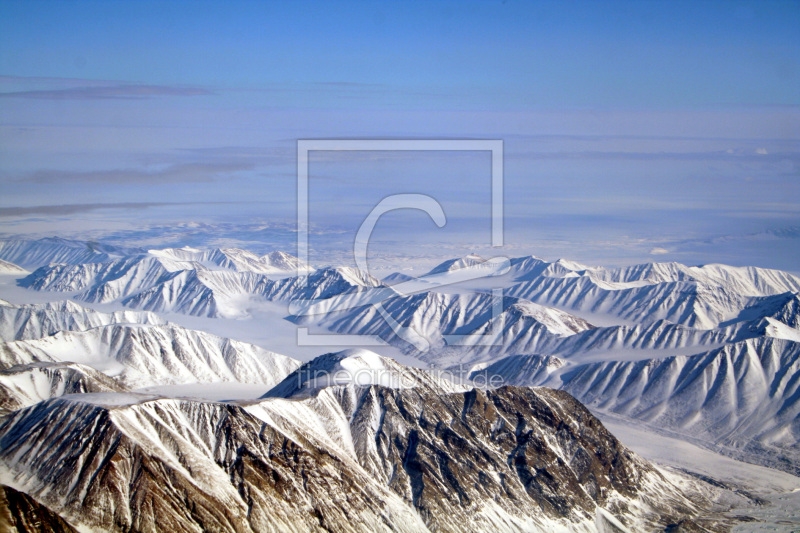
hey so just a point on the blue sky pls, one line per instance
(632, 129)
(474, 55)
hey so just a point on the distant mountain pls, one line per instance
(397, 277)
(213, 293)
(28, 384)
(457, 264)
(748, 281)
(7, 268)
(275, 263)
(32, 254)
(434, 320)
(219, 293)
(321, 284)
(34, 321)
(744, 396)
(200, 283)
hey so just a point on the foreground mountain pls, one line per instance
(20, 512)
(349, 458)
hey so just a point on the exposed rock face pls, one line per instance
(19, 512)
(514, 459)
(190, 466)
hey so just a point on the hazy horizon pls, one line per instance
(633, 131)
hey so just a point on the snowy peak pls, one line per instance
(274, 263)
(359, 368)
(349, 275)
(557, 322)
(397, 277)
(784, 308)
(747, 281)
(457, 264)
(321, 284)
(436, 320)
(102, 282)
(185, 280)
(283, 262)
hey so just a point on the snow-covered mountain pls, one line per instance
(431, 321)
(143, 355)
(211, 283)
(102, 423)
(747, 281)
(29, 384)
(221, 293)
(32, 254)
(361, 368)
(213, 293)
(725, 335)
(682, 302)
(274, 263)
(743, 396)
(700, 297)
(349, 458)
(34, 321)
(321, 284)
(457, 264)
(8, 268)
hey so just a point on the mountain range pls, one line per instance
(115, 419)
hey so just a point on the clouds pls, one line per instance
(177, 173)
(71, 209)
(110, 92)
(38, 88)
